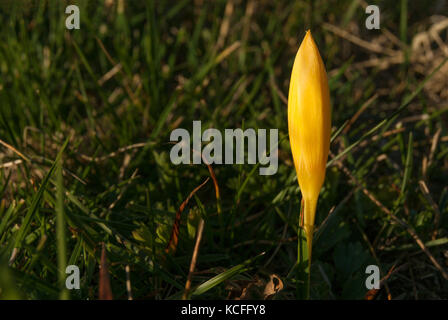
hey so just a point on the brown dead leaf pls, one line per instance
(274, 286)
(174, 239)
(245, 289)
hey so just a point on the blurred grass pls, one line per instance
(139, 69)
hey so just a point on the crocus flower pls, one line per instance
(309, 123)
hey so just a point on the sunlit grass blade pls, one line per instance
(209, 284)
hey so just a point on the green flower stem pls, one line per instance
(303, 266)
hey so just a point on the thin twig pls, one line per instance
(194, 259)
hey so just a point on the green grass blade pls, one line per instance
(61, 246)
(209, 284)
(408, 164)
(37, 199)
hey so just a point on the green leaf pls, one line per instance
(348, 258)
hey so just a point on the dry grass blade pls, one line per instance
(374, 47)
(126, 81)
(194, 259)
(128, 282)
(110, 74)
(434, 143)
(225, 25)
(105, 291)
(11, 164)
(361, 110)
(115, 153)
(120, 195)
(228, 51)
(215, 184)
(21, 155)
(174, 239)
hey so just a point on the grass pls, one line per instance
(85, 121)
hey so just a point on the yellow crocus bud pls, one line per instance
(309, 123)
